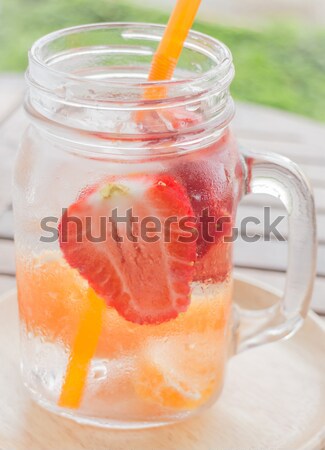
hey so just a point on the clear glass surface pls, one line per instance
(93, 127)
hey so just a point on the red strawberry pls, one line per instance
(215, 265)
(209, 187)
(146, 282)
(211, 197)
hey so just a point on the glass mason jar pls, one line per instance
(125, 195)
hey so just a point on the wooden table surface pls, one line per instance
(256, 127)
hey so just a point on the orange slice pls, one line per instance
(182, 373)
(53, 299)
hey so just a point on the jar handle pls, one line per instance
(276, 175)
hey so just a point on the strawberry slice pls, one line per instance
(207, 184)
(146, 280)
(211, 200)
(215, 265)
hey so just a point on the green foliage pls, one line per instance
(282, 65)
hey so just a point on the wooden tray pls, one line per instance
(274, 399)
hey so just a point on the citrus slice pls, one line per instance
(182, 373)
(53, 298)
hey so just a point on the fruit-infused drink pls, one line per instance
(124, 207)
(165, 304)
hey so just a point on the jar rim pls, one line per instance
(94, 78)
(211, 47)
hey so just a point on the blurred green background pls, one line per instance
(280, 64)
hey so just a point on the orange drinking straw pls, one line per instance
(167, 55)
(82, 352)
(90, 326)
(170, 48)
